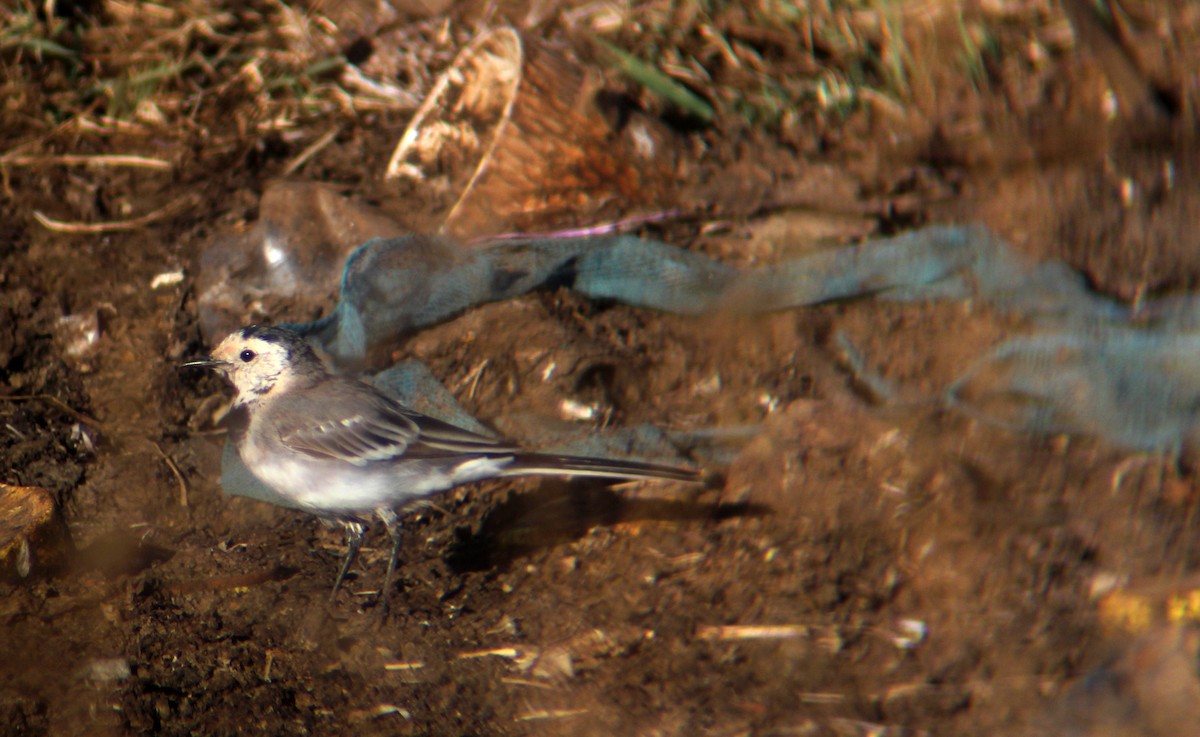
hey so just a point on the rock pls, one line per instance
(32, 536)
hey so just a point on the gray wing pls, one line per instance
(361, 426)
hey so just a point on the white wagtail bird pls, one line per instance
(340, 449)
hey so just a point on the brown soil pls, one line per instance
(531, 607)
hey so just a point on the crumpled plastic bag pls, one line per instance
(393, 287)
(1093, 365)
(1096, 367)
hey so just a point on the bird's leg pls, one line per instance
(392, 523)
(354, 541)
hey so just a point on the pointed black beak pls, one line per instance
(206, 362)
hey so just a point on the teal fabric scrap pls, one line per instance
(1094, 366)
(394, 287)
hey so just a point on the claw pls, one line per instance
(354, 541)
(392, 523)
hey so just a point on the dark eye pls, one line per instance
(247, 355)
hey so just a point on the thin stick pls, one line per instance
(77, 160)
(405, 666)
(313, 149)
(526, 682)
(752, 632)
(616, 226)
(503, 652)
(551, 714)
(165, 211)
(473, 377)
(183, 487)
(242, 581)
(55, 402)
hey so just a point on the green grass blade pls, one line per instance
(657, 82)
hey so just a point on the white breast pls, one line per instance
(325, 486)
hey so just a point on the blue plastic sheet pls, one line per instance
(1092, 366)
(1138, 388)
(393, 287)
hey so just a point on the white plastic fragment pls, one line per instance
(107, 670)
(912, 633)
(708, 387)
(166, 279)
(80, 332)
(578, 411)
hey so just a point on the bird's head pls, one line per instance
(260, 360)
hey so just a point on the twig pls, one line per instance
(165, 211)
(379, 710)
(183, 487)
(473, 377)
(616, 226)
(72, 160)
(106, 125)
(313, 149)
(821, 697)
(400, 98)
(56, 403)
(752, 632)
(408, 666)
(551, 714)
(219, 583)
(503, 652)
(525, 682)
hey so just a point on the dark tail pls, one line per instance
(538, 464)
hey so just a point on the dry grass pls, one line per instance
(191, 85)
(210, 74)
(157, 84)
(778, 64)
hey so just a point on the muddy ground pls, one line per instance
(865, 568)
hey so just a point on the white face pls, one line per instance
(254, 366)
